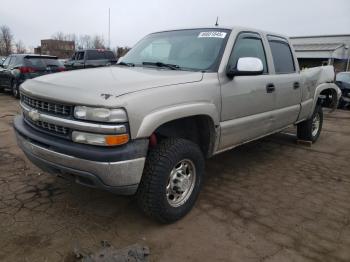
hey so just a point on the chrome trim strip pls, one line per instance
(122, 173)
(75, 125)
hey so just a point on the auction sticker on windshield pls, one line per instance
(212, 34)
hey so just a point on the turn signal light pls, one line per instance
(114, 140)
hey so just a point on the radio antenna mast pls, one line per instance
(217, 21)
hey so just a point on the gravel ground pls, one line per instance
(270, 200)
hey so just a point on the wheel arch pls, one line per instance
(326, 94)
(196, 122)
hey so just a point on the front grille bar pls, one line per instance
(52, 108)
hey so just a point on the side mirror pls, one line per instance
(246, 66)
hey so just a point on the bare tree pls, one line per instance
(6, 40)
(85, 42)
(59, 36)
(20, 48)
(121, 51)
(98, 42)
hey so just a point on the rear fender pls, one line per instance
(336, 94)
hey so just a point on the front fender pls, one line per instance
(156, 118)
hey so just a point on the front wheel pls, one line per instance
(310, 129)
(15, 90)
(171, 180)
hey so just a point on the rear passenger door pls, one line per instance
(286, 79)
(247, 101)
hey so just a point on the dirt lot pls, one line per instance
(270, 200)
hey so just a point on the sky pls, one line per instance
(33, 20)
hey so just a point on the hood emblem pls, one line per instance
(34, 115)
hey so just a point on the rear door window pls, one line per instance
(282, 56)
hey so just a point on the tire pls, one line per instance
(15, 89)
(306, 130)
(168, 166)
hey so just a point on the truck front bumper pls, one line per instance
(120, 174)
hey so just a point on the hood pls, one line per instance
(96, 86)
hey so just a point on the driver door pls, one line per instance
(247, 100)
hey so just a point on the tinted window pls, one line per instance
(42, 62)
(248, 46)
(79, 56)
(282, 57)
(109, 55)
(95, 55)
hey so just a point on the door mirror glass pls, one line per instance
(246, 66)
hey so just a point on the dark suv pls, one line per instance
(343, 82)
(19, 67)
(91, 58)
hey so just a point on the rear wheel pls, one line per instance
(310, 129)
(15, 89)
(171, 180)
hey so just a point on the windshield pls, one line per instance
(195, 49)
(42, 62)
(343, 77)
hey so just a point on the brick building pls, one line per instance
(59, 48)
(323, 50)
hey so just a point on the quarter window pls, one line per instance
(282, 57)
(248, 45)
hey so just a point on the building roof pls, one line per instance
(317, 47)
(320, 36)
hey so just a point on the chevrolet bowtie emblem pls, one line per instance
(34, 115)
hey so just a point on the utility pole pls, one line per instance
(109, 28)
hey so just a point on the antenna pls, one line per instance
(217, 21)
(109, 28)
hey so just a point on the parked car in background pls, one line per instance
(19, 67)
(343, 82)
(91, 58)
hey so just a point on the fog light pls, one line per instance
(99, 140)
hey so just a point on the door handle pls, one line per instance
(296, 85)
(270, 88)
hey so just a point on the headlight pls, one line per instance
(99, 140)
(100, 114)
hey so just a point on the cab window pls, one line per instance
(248, 45)
(282, 56)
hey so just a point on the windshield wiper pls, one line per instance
(161, 64)
(126, 64)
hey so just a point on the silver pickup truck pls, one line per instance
(146, 125)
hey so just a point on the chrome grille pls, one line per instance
(49, 127)
(52, 108)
